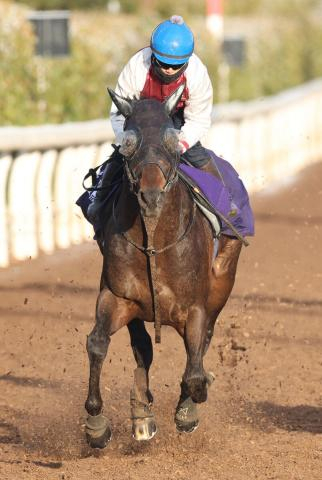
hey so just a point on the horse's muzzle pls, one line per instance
(150, 201)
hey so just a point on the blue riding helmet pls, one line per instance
(172, 41)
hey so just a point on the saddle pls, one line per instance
(212, 197)
(210, 194)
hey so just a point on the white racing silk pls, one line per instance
(198, 108)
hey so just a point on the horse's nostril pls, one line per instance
(150, 197)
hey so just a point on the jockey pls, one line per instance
(156, 72)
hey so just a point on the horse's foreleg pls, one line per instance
(98, 430)
(143, 425)
(195, 380)
(195, 337)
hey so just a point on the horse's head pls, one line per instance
(150, 148)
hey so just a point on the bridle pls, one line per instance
(133, 161)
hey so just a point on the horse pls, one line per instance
(158, 266)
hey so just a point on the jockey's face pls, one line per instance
(168, 69)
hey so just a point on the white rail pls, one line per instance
(41, 168)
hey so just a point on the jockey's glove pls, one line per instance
(182, 146)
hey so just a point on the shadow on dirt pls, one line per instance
(9, 434)
(51, 438)
(288, 219)
(301, 418)
(51, 288)
(28, 381)
(44, 437)
(280, 301)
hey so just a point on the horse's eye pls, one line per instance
(129, 143)
(171, 139)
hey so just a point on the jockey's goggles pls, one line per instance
(167, 66)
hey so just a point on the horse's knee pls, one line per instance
(97, 345)
(225, 264)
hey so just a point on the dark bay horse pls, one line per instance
(158, 265)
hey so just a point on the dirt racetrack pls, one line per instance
(263, 418)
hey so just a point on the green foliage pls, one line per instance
(166, 8)
(275, 7)
(130, 6)
(63, 4)
(37, 90)
(288, 8)
(289, 57)
(73, 88)
(185, 8)
(241, 7)
(17, 79)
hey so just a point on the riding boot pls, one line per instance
(104, 186)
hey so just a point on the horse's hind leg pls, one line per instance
(143, 425)
(98, 431)
(197, 338)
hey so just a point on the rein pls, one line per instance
(150, 251)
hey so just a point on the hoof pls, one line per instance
(98, 431)
(143, 428)
(99, 442)
(186, 416)
(188, 427)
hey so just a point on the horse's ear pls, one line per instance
(172, 101)
(124, 106)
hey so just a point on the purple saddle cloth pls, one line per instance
(229, 197)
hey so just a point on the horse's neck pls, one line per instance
(177, 205)
(174, 216)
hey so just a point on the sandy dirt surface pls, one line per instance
(263, 417)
